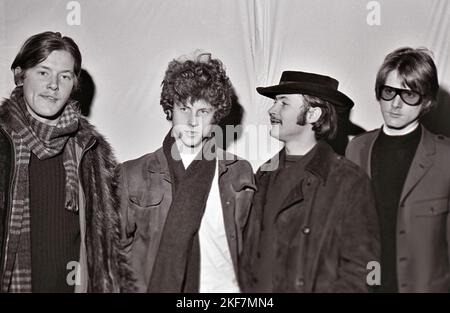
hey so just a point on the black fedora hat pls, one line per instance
(324, 87)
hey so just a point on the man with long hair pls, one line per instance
(186, 204)
(411, 176)
(59, 223)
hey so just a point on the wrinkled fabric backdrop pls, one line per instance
(126, 46)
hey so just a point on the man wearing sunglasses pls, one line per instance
(409, 167)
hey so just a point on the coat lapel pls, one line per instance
(366, 152)
(315, 163)
(290, 195)
(159, 165)
(225, 179)
(155, 177)
(421, 163)
(287, 193)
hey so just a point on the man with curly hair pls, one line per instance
(185, 206)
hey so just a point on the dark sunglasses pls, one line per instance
(410, 97)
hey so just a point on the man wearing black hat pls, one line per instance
(313, 226)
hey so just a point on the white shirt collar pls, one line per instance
(401, 132)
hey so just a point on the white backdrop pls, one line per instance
(127, 44)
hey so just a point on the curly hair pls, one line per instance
(199, 78)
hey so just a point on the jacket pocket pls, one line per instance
(431, 207)
(145, 210)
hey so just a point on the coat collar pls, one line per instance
(426, 146)
(420, 164)
(366, 151)
(158, 164)
(226, 159)
(319, 165)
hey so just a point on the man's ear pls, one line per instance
(313, 114)
(426, 106)
(18, 76)
(169, 114)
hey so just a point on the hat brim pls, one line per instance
(341, 102)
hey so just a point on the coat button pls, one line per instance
(403, 259)
(300, 282)
(402, 232)
(228, 203)
(306, 230)
(404, 285)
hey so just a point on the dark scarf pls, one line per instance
(31, 136)
(177, 264)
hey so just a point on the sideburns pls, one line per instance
(301, 119)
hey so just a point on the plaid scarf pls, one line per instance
(45, 141)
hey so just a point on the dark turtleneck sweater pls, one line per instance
(391, 159)
(55, 231)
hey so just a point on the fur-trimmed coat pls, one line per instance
(104, 267)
